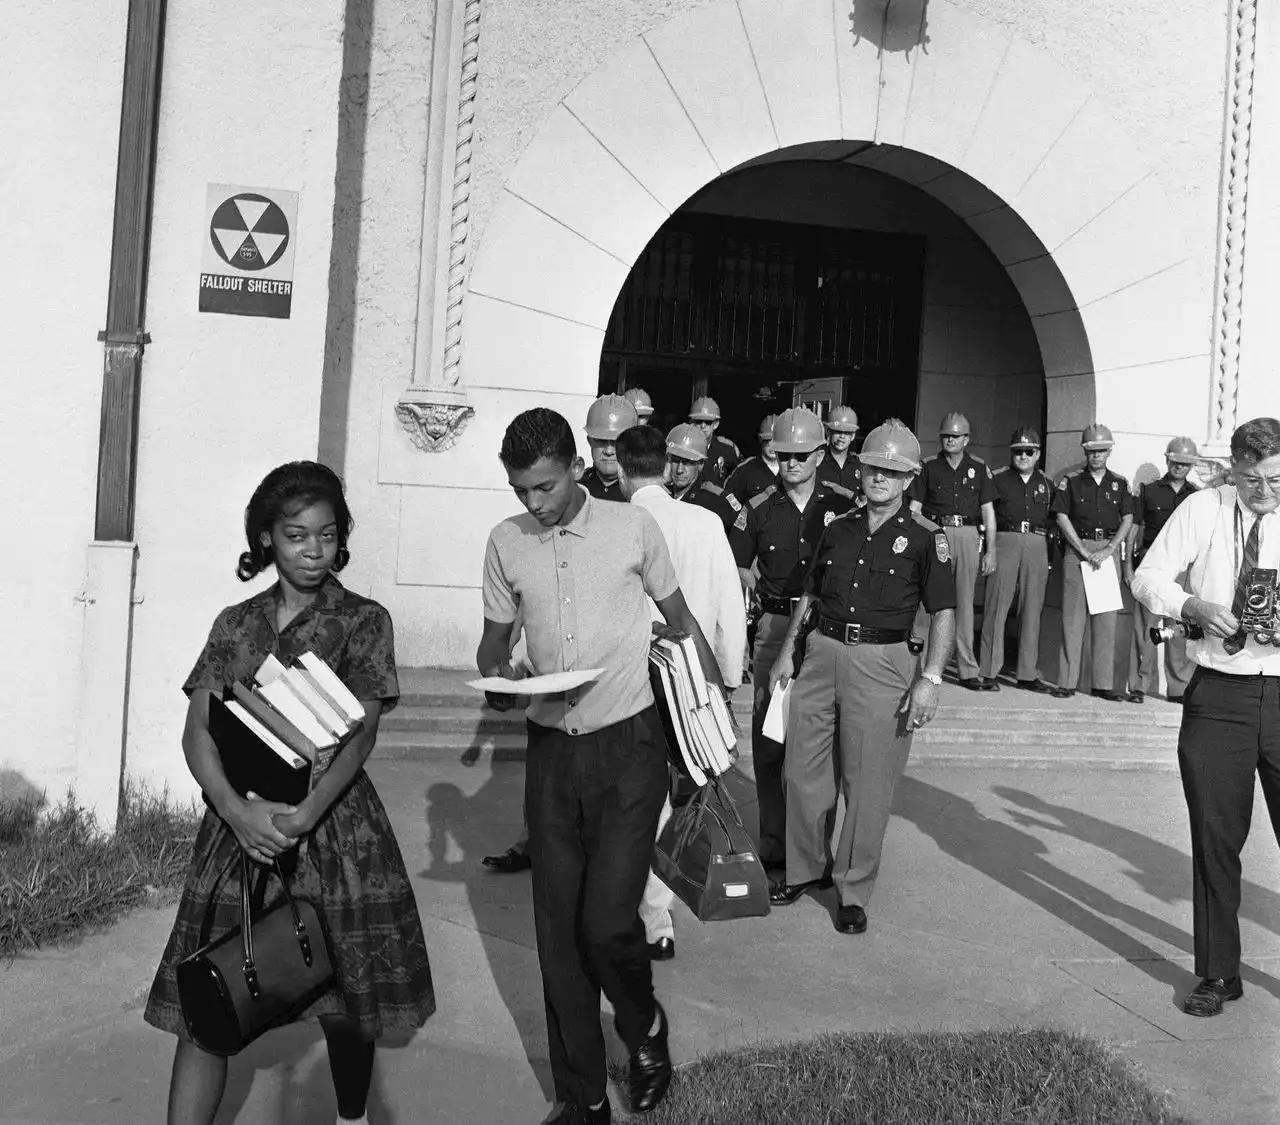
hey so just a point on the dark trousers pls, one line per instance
(593, 802)
(767, 756)
(1230, 729)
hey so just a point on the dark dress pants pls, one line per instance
(766, 755)
(593, 802)
(1230, 729)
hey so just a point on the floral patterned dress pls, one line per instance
(350, 866)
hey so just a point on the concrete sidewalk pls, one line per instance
(1007, 898)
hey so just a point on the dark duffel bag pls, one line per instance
(257, 975)
(706, 857)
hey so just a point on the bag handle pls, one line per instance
(249, 967)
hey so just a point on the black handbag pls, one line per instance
(257, 975)
(706, 857)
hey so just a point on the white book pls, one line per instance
(330, 719)
(278, 693)
(269, 739)
(328, 680)
(270, 669)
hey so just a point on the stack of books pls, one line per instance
(695, 716)
(268, 736)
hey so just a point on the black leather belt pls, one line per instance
(784, 606)
(1094, 533)
(851, 634)
(1023, 527)
(952, 521)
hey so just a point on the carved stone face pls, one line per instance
(433, 426)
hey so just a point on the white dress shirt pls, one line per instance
(1198, 553)
(708, 575)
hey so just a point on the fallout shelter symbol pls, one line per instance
(249, 231)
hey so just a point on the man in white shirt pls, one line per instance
(708, 577)
(1227, 541)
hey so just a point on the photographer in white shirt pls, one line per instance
(1226, 540)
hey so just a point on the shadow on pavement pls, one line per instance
(1160, 870)
(500, 904)
(1020, 861)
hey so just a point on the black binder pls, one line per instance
(250, 764)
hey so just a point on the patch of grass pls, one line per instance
(1015, 1077)
(61, 877)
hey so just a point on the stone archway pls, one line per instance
(985, 122)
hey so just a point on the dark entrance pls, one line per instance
(747, 311)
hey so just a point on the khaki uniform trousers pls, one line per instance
(1022, 570)
(963, 542)
(1144, 659)
(1075, 618)
(857, 690)
(767, 755)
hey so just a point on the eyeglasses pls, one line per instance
(795, 456)
(1255, 483)
(1026, 453)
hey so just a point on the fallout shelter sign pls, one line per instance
(246, 266)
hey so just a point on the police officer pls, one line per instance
(1023, 495)
(722, 455)
(954, 490)
(686, 462)
(778, 531)
(839, 465)
(870, 572)
(641, 401)
(1155, 504)
(1094, 510)
(755, 474)
(607, 417)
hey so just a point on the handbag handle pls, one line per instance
(249, 967)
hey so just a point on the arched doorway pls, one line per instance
(990, 126)
(821, 279)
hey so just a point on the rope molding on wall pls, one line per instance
(1234, 196)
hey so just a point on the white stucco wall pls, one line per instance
(61, 91)
(224, 398)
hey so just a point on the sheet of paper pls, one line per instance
(1102, 587)
(549, 684)
(775, 718)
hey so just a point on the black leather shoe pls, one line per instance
(1136, 697)
(990, 683)
(1062, 693)
(662, 950)
(509, 862)
(649, 1072)
(851, 919)
(571, 1113)
(782, 893)
(973, 683)
(1207, 998)
(1038, 686)
(1109, 696)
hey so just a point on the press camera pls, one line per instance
(1258, 619)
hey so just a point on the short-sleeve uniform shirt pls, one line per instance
(879, 579)
(714, 499)
(751, 478)
(352, 634)
(582, 591)
(943, 491)
(1018, 501)
(1091, 504)
(600, 488)
(1155, 503)
(848, 475)
(773, 533)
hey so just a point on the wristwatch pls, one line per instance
(932, 677)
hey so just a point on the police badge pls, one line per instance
(899, 544)
(827, 517)
(971, 474)
(941, 547)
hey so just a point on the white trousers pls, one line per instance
(655, 906)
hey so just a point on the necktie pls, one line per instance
(1234, 644)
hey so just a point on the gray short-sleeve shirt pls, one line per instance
(582, 593)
